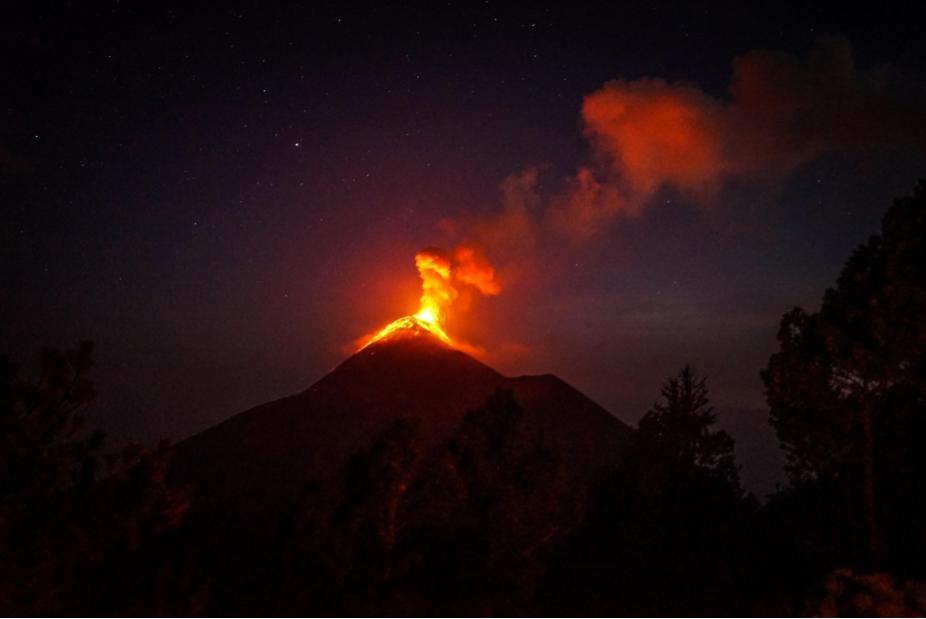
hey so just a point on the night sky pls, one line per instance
(224, 199)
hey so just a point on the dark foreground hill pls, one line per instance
(250, 471)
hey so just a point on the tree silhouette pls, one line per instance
(498, 501)
(679, 431)
(341, 548)
(664, 526)
(467, 525)
(68, 511)
(847, 388)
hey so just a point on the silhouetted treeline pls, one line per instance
(493, 521)
(82, 530)
(847, 397)
(467, 528)
(665, 527)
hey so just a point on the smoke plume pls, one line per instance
(780, 112)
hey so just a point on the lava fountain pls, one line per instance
(438, 273)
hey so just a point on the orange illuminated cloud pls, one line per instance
(654, 133)
(781, 112)
(471, 267)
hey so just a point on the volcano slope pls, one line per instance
(250, 471)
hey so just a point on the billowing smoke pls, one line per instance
(471, 267)
(437, 290)
(445, 276)
(781, 112)
(646, 135)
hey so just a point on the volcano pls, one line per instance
(250, 471)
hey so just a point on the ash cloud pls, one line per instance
(780, 112)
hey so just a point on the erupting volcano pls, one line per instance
(255, 470)
(438, 273)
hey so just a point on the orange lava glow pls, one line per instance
(437, 294)
(441, 273)
(410, 323)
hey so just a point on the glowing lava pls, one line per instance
(410, 323)
(466, 267)
(437, 293)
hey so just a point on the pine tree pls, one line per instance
(679, 431)
(847, 389)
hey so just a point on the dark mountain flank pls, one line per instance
(250, 471)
